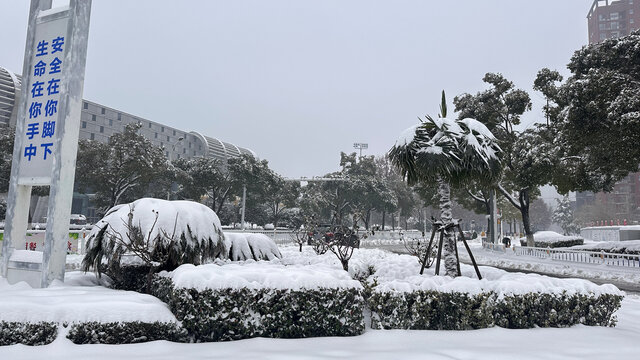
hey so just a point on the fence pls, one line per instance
(578, 256)
(282, 237)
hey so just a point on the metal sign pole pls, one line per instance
(19, 194)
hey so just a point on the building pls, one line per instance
(609, 19)
(99, 122)
(612, 19)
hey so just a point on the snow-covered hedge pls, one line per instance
(41, 333)
(230, 302)
(630, 247)
(552, 239)
(437, 310)
(125, 332)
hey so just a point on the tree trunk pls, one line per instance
(300, 246)
(446, 216)
(526, 222)
(345, 264)
(384, 213)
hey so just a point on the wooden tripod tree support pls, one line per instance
(438, 226)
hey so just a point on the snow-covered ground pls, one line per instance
(80, 299)
(495, 343)
(510, 260)
(579, 342)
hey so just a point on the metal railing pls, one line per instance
(494, 247)
(585, 257)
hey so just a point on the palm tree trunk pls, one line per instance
(449, 246)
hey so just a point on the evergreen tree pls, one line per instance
(595, 115)
(563, 215)
(121, 170)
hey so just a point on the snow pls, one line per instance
(260, 275)
(26, 256)
(612, 246)
(87, 301)
(244, 246)
(79, 299)
(407, 135)
(550, 237)
(193, 220)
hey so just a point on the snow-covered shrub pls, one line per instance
(552, 239)
(230, 302)
(125, 332)
(41, 333)
(159, 234)
(442, 310)
(245, 246)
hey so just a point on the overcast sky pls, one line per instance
(299, 81)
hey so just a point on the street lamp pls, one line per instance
(360, 146)
(173, 148)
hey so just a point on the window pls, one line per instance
(85, 105)
(92, 136)
(162, 129)
(630, 11)
(156, 136)
(168, 139)
(614, 16)
(119, 117)
(166, 153)
(84, 124)
(150, 127)
(174, 133)
(102, 129)
(630, 21)
(602, 26)
(615, 25)
(110, 122)
(194, 153)
(93, 117)
(603, 36)
(615, 34)
(184, 150)
(103, 111)
(161, 144)
(601, 18)
(189, 145)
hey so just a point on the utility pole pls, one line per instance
(244, 198)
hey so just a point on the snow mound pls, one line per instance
(78, 300)
(245, 246)
(395, 272)
(260, 275)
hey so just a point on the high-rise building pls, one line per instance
(608, 20)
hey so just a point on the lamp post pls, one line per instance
(173, 148)
(360, 146)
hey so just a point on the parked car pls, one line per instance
(318, 233)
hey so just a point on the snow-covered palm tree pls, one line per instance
(448, 152)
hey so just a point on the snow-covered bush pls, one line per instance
(552, 239)
(245, 246)
(230, 302)
(25, 333)
(125, 332)
(443, 310)
(159, 234)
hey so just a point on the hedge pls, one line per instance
(433, 310)
(125, 332)
(571, 241)
(232, 314)
(41, 333)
